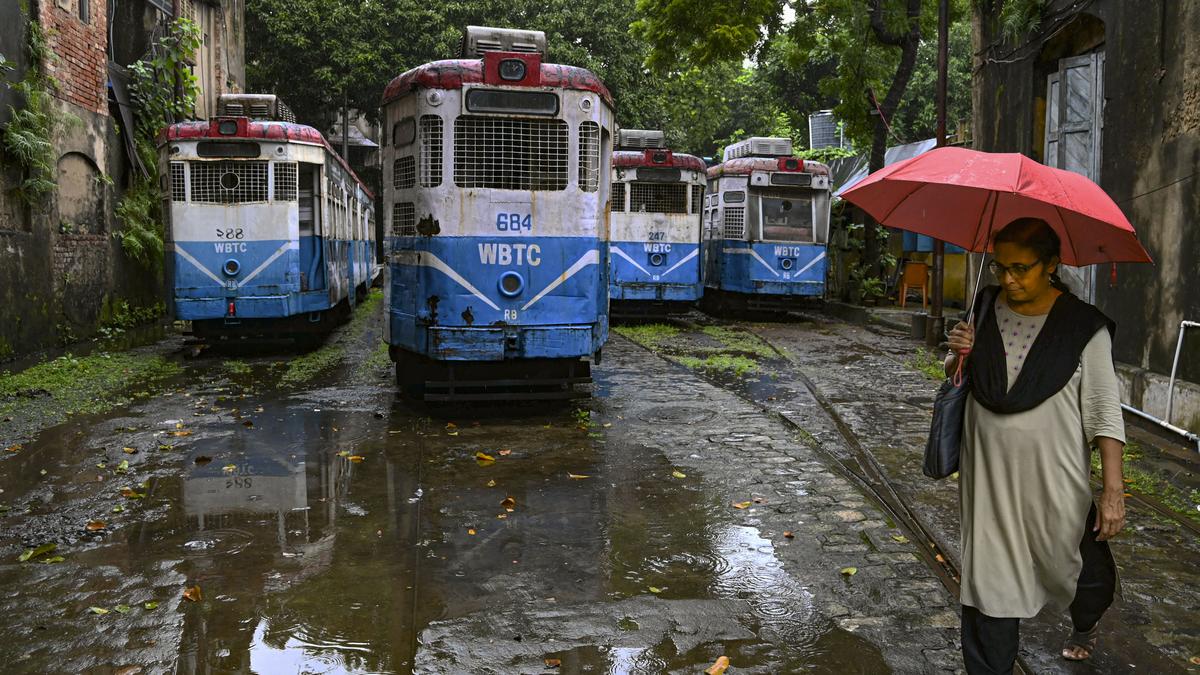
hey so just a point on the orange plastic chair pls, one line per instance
(916, 275)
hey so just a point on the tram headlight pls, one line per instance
(786, 263)
(512, 70)
(231, 267)
(657, 259)
(511, 284)
(227, 128)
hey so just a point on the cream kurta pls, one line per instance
(1024, 481)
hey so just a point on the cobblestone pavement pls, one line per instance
(868, 378)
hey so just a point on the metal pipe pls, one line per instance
(936, 325)
(1164, 424)
(1183, 326)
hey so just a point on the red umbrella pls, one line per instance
(964, 196)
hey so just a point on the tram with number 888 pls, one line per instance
(766, 228)
(270, 233)
(496, 176)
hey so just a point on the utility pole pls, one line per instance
(935, 326)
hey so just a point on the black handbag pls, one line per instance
(949, 409)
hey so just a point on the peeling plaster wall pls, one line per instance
(1150, 157)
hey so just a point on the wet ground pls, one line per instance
(245, 518)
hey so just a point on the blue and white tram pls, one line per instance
(657, 198)
(766, 227)
(496, 175)
(270, 232)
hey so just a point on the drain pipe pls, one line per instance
(1183, 326)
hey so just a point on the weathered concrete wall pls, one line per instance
(1151, 148)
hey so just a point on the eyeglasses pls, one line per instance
(1017, 270)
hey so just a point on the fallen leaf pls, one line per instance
(248, 424)
(129, 451)
(123, 466)
(471, 532)
(98, 610)
(31, 553)
(849, 571)
(718, 668)
(940, 558)
(128, 670)
(51, 561)
(150, 605)
(451, 433)
(192, 593)
(742, 505)
(451, 425)
(16, 447)
(654, 589)
(789, 535)
(344, 453)
(484, 457)
(203, 459)
(509, 503)
(553, 663)
(607, 425)
(165, 447)
(179, 425)
(118, 508)
(1128, 494)
(101, 465)
(504, 453)
(123, 609)
(229, 468)
(900, 539)
(679, 474)
(491, 483)
(577, 476)
(356, 458)
(95, 525)
(181, 433)
(501, 516)
(43, 472)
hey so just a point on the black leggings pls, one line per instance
(989, 644)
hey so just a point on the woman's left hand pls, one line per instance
(1110, 514)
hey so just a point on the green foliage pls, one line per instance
(71, 385)
(125, 315)
(826, 155)
(1019, 17)
(26, 140)
(323, 359)
(142, 231)
(736, 364)
(916, 118)
(929, 364)
(652, 335)
(154, 80)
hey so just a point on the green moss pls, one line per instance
(72, 385)
(651, 335)
(929, 364)
(236, 367)
(312, 364)
(735, 340)
(738, 365)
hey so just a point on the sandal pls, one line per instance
(1085, 640)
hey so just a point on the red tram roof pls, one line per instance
(743, 166)
(635, 158)
(454, 73)
(271, 130)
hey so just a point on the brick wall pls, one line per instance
(81, 51)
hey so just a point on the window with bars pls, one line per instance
(178, 186)
(589, 156)
(735, 223)
(658, 197)
(431, 151)
(618, 197)
(229, 182)
(285, 181)
(508, 154)
(404, 219)
(697, 197)
(404, 172)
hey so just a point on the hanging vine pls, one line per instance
(159, 104)
(27, 140)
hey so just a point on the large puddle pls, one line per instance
(327, 538)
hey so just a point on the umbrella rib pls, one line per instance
(901, 201)
(1066, 232)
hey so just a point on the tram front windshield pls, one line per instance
(786, 217)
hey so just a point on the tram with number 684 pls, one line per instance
(496, 176)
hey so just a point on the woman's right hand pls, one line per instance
(962, 337)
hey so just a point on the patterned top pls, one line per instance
(1018, 333)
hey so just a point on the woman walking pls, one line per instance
(1043, 395)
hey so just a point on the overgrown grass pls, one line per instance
(740, 341)
(70, 385)
(236, 367)
(929, 364)
(1152, 485)
(736, 364)
(651, 335)
(324, 358)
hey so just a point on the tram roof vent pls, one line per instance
(637, 139)
(759, 146)
(480, 39)
(257, 106)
